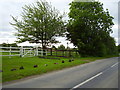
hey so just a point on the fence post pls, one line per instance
(46, 52)
(56, 52)
(63, 53)
(51, 51)
(10, 52)
(31, 51)
(36, 51)
(41, 52)
(21, 51)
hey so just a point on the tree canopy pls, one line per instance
(40, 23)
(89, 28)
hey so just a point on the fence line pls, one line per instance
(35, 51)
(22, 52)
(9, 51)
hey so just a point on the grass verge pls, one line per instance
(44, 65)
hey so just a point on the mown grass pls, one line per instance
(28, 63)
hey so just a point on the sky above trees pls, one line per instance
(14, 8)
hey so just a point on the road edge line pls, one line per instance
(114, 64)
(87, 81)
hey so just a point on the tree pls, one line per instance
(40, 23)
(119, 48)
(61, 47)
(88, 28)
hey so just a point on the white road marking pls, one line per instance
(87, 80)
(114, 65)
(77, 86)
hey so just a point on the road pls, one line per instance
(98, 74)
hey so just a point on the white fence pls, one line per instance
(21, 51)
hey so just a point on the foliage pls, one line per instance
(119, 48)
(53, 47)
(40, 23)
(8, 45)
(89, 29)
(61, 47)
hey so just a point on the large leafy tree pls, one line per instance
(89, 28)
(40, 23)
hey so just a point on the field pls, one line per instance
(11, 65)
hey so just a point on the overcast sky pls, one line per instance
(14, 8)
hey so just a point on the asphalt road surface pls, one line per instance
(98, 74)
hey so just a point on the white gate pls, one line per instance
(29, 52)
(34, 51)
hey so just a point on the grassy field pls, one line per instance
(44, 65)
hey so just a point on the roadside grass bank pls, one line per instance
(16, 68)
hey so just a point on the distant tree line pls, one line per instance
(62, 47)
(8, 45)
